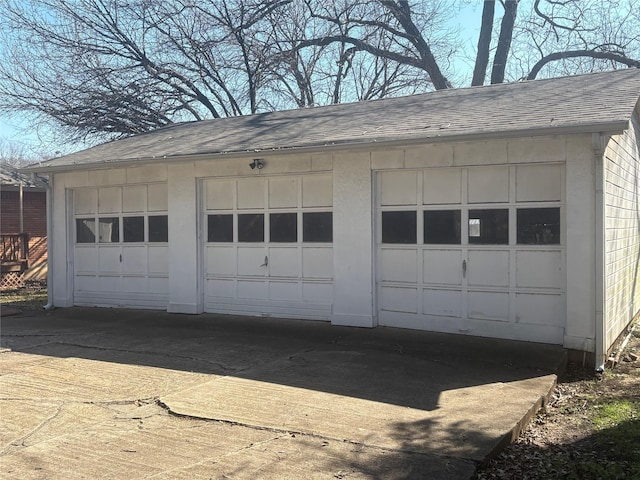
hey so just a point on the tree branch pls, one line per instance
(581, 53)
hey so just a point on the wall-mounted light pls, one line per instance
(257, 163)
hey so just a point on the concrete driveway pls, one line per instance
(124, 394)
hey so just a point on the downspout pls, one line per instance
(49, 200)
(597, 142)
(21, 190)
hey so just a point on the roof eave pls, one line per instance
(610, 128)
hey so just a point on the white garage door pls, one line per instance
(268, 246)
(476, 250)
(121, 246)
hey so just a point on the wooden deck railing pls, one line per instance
(14, 253)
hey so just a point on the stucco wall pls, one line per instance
(622, 234)
(354, 301)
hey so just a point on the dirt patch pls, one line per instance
(33, 296)
(589, 430)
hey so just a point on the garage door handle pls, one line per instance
(120, 258)
(464, 268)
(266, 262)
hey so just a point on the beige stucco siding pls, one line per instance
(622, 235)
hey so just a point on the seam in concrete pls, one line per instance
(293, 433)
(144, 352)
(19, 442)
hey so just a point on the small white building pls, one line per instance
(506, 211)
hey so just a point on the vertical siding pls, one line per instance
(622, 236)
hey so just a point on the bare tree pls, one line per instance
(116, 67)
(100, 69)
(16, 154)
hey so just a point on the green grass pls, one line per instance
(616, 412)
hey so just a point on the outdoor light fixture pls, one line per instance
(257, 163)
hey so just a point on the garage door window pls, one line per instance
(85, 230)
(283, 227)
(159, 228)
(399, 227)
(251, 227)
(442, 227)
(220, 228)
(489, 227)
(539, 226)
(133, 229)
(109, 230)
(317, 227)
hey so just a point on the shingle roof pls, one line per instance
(10, 176)
(594, 102)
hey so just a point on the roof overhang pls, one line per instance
(609, 128)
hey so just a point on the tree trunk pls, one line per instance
(484, 42)
(504, 41)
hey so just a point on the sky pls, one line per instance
(18, 134)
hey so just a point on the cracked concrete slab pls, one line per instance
(97, 393)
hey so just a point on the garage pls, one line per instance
(120, 246)
(505, 211)
(477, 250)
(268, 245)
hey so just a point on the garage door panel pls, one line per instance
(220, 288)
(252, 290)
(135, 284)
(87, 283)
(251, 193)
(221, 260)
(317, 191)
(283, 192)
(488, 268)
(540, 309)
(85, 201)
(284, 291)
(157, 197)
(488, 306)
(220, 194)
(445, 303)
(134, 260)
(399, 188)
(539, 183)
(442, 185)
(86, 259)
(442, 267)
(539, 269)
(397, 299)
(109, 259)
(251, 261)
(317, 292)
(283, 262)
(158, 259)
(488, 184)
(159, 285)
(134, 198)
(398, 265)
(317, 263)
(109, 200)
(109, 283)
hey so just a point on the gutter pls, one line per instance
(597, 143)
(610, 128)
(50, 256)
